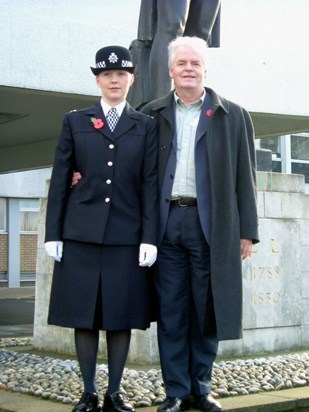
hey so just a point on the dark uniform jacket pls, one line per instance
(116, 200)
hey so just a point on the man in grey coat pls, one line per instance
(208, 224)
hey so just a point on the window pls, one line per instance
(300, 155)
(29, 215)
(273, 144)
(301, 169)
(2, 215)
(300, 147)
(290, 153)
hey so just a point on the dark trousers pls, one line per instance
(186, 327)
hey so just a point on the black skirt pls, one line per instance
(101, 287)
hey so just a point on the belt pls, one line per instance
(183, 201)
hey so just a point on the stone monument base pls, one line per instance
(275, 282)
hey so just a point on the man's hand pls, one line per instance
(246, 248)
(75, 178)
(147, 254)
(54, 249)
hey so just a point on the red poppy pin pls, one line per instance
(97, 123)
(209, 112)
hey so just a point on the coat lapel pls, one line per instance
(204, 120)
(166, 107)
(96, 112)
(211, 103)
(127, 120)
(168, 114)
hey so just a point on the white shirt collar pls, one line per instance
(106, 107)
(200, 100)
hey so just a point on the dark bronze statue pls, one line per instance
(161, 21)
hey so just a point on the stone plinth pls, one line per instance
(275, 281)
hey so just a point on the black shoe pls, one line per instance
(174, 405)
(207, 403)
(115, 403)
(88, 403)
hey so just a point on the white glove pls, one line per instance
(147, 254)
(54, 249)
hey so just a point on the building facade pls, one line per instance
(19, 211)
(47, 48)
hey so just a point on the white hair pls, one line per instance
(196, 43)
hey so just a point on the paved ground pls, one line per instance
(16, 311)
(286, 400)
(16, 320)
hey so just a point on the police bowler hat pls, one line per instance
(113, 58)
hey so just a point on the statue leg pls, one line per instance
(203, 20)
(171, 22)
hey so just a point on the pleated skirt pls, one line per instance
(101, 287)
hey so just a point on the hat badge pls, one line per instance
(113, 58)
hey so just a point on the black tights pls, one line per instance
(86, 343)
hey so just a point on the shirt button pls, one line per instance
(108, 181)
(111, 146)
(107, 199)
(109, 163)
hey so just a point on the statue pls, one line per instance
(161, 21)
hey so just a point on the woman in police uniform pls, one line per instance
(102, 232)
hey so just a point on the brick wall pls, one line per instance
(3, 252)
(28, 252)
